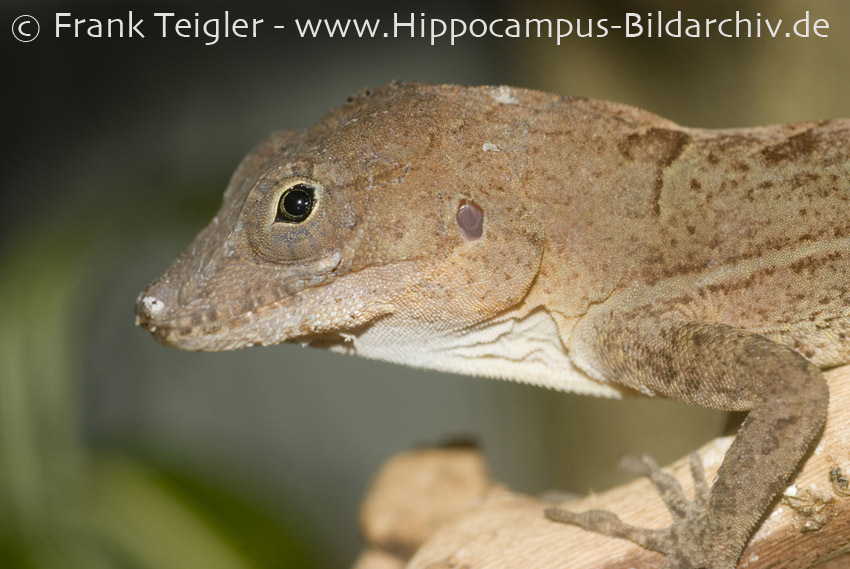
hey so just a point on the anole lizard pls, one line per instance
(577, 244)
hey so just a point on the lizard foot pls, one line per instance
(688, 542)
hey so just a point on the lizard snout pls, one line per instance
(154, 307)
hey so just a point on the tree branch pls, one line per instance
(437, 508)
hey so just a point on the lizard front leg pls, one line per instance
(720, 367)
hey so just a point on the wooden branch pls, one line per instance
(440, 504)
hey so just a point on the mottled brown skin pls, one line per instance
(712, 267)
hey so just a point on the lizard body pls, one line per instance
(572, 243)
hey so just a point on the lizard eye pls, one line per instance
(292, 219)
(296, 204)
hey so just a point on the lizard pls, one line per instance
(577, 244)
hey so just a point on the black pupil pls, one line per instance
(296, 203)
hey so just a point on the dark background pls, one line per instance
(117, 452)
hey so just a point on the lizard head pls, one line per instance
(391, 212)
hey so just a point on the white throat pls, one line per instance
(527, 349)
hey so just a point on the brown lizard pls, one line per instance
(577, 244)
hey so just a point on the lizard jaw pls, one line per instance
(201, 324)
(199, 330)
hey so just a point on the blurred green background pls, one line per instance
(117, 452)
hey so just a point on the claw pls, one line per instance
(666, 485)
(689, 518)
(610, 524)
(701, 488)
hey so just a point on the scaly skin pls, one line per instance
(619, 253)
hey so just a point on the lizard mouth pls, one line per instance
(201, 323)
(170, 328)
(227, 334)
(205, 329)
(209, 306)
(263, 326)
